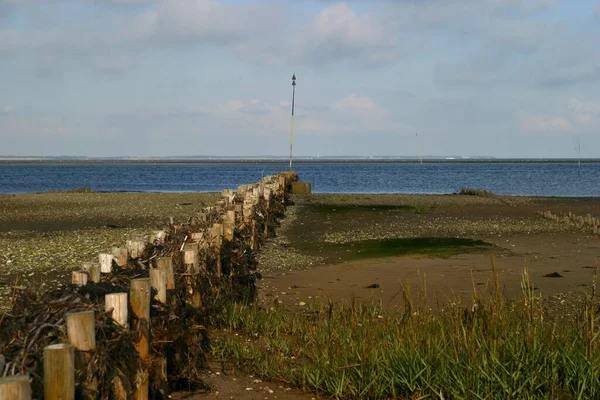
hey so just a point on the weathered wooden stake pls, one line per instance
(158, 237)
(15, 388)
(81, 330)
(120, 255)
(216, 234)
(229, 230)
(93, 271)
(197, 236)
(166, 264)
(230, 216)
(135, 247)
(79, 278)
(139, 297)
(118, 303)
(253, 235)
(59, 372)
(247, 210)
(158, 281)
(190, 258)
(140, 306)
(282, 182)
(106, 260)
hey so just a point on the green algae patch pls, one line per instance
(438, 247)
(345, 208)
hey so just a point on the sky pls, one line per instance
(503, 78)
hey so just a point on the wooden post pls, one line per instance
(190, 258)
(140, 306)
(15, 387)
(106, 260)
(135, 247)
(253, 235)
(120, 255)
(79, 278)
(139, 296)
(230, 216)
(93, 271)
(158, 281)
(59, 372)
(158, 237)
(202, 217)
(229, 230)
(282, 182)
(247, 210)
(197, 236)
(191, 262)
(166, 264)
(216, 235)
(81, 330)
(118, 303)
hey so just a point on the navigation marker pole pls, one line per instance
(292, 128)
(420, 149)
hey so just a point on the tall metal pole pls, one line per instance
(292, 128)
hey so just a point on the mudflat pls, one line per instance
(45, 236)
(329, 248)
(441, 247)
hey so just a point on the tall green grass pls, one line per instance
(492, 349)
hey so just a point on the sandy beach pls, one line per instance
(317, 252)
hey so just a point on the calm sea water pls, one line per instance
(551, 179)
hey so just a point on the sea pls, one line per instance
(562, 179)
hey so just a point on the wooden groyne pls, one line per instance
(585, 223)
(133, 324)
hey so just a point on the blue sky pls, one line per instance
(505, 78)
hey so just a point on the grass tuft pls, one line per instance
(465, 191)
(488, 349)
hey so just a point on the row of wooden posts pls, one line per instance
(587, 222)
(59, 360)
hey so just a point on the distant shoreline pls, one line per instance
(16, 161)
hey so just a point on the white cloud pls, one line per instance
(585, 113)
(351, 114)
(580, 116)
(14, 40)
(8, 108)
(354, 103)
(522, 7)
(125, 2)
(544, 123)
(210, 21)
(252, 106)
(339, 33)
(341, 24)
